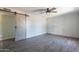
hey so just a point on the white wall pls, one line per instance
(36, 25)
(66, 24)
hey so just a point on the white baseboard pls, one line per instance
(64, 35)
(35, 35)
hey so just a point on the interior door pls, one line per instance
(7, 25)
(20, 27)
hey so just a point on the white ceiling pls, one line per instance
(29, 10)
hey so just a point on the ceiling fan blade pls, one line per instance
(54, 8)
(48, 12)
(38, 10)
(42, 12)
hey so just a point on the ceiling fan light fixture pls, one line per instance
(47, 10)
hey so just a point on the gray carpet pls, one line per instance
(45, 43)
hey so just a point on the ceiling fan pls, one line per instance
(46, 10)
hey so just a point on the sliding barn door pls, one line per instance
(20, 27)
(7, 25)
